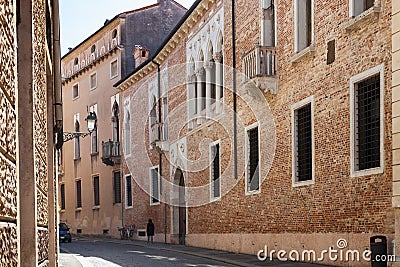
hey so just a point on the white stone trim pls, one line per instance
(353, 80)
(246, 148)
(151, 185)
(126, 191)
(213, 144)
(294, 107)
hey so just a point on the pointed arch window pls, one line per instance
(115, 122)
(77, 145)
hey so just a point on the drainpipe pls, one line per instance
(58, 112)
(160, 153)
(234, 92)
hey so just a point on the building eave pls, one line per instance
(198, 9)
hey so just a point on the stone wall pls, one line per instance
(8, 179)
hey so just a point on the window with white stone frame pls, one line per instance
(77, 143)
(114, 68)
(154, 186)
(128, 191)
(304, 24)
(93, 80)
(215, 170)
(303, 142)
(94, 147)
(367, 115)
(359, 6)
(252, 151)
(75, 91)
(268, 23)
(127, 132)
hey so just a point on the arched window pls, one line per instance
(93, 136)
(77, 146)
(114, 34)
(93, 49)
(76, 62)
(115, 122)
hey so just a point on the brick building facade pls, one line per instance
(310, 161)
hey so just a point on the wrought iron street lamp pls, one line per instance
(91, 120)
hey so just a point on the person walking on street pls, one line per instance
(150, 231)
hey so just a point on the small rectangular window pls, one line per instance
(113, 69)
(330, 56)
(117, 187)
(96, 190)
(93, 81)
(303, 151)
(155, 185)
(215, 171)
(62, 193)
(75, 91)
(79, 194)
(128, 190)
(253, 160)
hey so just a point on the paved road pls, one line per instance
(109, 254)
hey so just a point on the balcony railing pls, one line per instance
(261, 61)
(111, 153)
(159, 135)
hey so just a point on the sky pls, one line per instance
(81, 18)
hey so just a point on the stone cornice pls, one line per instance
(176, 39)
(90, 41)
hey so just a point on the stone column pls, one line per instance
(208, 67)
(218, 81)
(27, 206)
(199, 75)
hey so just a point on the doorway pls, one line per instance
(182, 210)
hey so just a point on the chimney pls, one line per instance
(141, 54)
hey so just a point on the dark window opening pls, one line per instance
(79, 231)
(128, 191)
(79, 194)
(253, 177)
(154, 186)
(303, 143)
(117, 187)
(330, 57)
(62, 192)
(96, 190)
(114, 34)
(368, 123)
(215, 171)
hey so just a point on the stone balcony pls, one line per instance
(158, 135)
(111, 153)
(260, 67)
